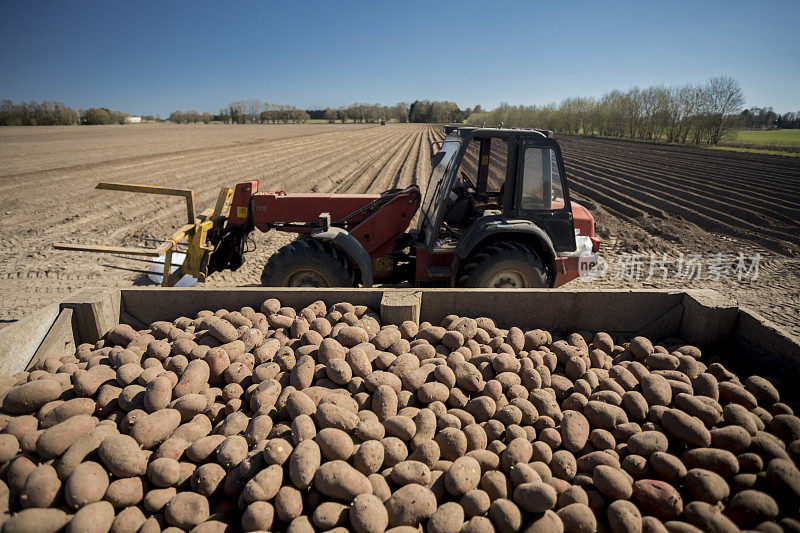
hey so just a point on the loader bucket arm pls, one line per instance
(196, 231)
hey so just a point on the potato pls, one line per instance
(288, 503)
(186, 510)
(41, 488)
(158, 394)
(96, 516)
(577, 517)
(36, 520)
(708, 517)
(722, 462)
(668, 467)
(329, 515)
(87, 484)
(730, 438)
(604, 416)
(156, 499)
(624, 517)
(706, 485)
(131, 519)
(452, 443)
(222, 330)
(125, 492)
(657, 498)
(751, 507)
(463, 476)
(686, 428)
(329, 415)
(574, 430)
(612, 482)
(9, 447)
(122, 456)
(410, 505)
(258, 517)
(153, 429)
(54, 441)
(505, 515)
(340, 481)
(647, 443)
(334, 444)
(68, 409)
(163, 472)
(536, 497)
(303, 463)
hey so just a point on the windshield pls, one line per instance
(442, 162)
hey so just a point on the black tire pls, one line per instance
(504, 265)
(308, 263)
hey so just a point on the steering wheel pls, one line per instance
(468, 182)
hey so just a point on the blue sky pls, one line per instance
(153, 57)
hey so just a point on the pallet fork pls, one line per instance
(197, 231)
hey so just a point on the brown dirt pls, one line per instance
(646, 198)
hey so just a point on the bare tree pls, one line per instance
(721, 98)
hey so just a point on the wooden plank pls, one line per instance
(667, 325)
(399, 305)
(96, 312)
(20, 340)
(59, 341)
(768, 347)
(708, 317)
(560, 310)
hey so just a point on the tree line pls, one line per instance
(765, 118)
(49, 113)
(256, 112)
(692, 113)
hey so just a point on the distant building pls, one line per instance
(133, 120)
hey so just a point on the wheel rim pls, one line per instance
(506, 279)
(307, 278)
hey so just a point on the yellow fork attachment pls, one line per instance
(195, 231)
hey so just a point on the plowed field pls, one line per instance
(646, 199)
(670, 200)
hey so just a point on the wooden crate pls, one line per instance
(700, 317)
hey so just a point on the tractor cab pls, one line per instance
(497, 212)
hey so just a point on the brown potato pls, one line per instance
(153, 429)
(658, 498)
(536, 497)
(186, 510)
(122, 456)
(264, 485)
(54, 441)
(45, 520)
(95, 517)
(410, 505)
(87, 484)
(41, 489)
(340, 481)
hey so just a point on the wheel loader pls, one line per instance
(496, 212)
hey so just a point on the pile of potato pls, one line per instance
(320, 419)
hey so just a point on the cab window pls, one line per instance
(541, 181)
(496, 177)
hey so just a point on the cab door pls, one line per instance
(541, 194)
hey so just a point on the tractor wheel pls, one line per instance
(505, 265)
(308, 263)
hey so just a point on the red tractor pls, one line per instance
(496, 213)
